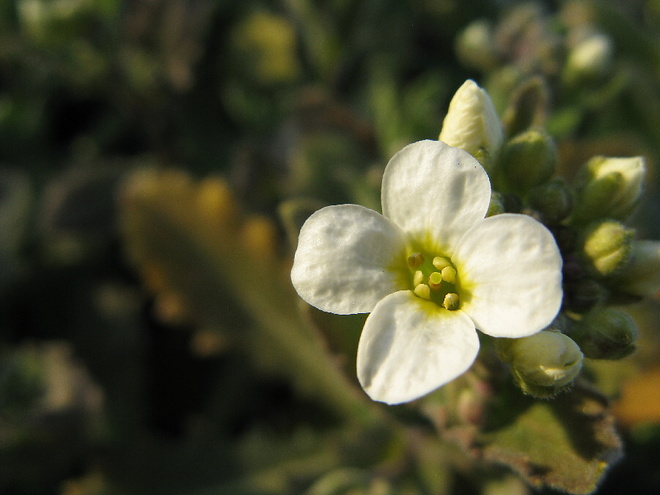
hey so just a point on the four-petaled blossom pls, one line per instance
(430, 270)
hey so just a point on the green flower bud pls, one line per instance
(606, 333)
(582, 295)
(609, 188)
(607, 247)
(642, 275)
(543, 364)
(472, 123)
(529, 159)
(552, 199)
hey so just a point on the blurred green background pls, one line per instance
(125, 370)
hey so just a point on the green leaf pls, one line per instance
(566, 444)
(206, 261)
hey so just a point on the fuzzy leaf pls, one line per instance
(208, 263)
(567, 443)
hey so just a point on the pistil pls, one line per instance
(435, 280)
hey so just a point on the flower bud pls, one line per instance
(606, 333)
(590, 59)
(472, 123)
(543, 364)
(607, 247)
(611, 187)
(475, 47)
(527, 107)
(265, 46)
(552, 199)
(529, 159)
(642, 275)
(582, 295)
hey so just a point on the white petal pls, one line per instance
(347, 259)
(510, 275)
(432, 189)
(409, 347)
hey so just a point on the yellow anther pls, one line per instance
(418, 278)
(435, 279)
(451, 301)
(423, 291)
(439, 262)
(449, 274)
(415, 260)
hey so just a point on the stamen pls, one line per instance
(415, 260)
(439, 262)
(423, 291)
(418, 278)
(451, 301)
(449, 274)
(435, 280)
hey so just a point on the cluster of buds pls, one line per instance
(604, 264)
(525, 41)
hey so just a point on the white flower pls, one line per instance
(430, 269)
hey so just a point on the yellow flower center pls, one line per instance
(434, 278)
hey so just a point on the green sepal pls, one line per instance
(528, 160)
(552, 199)
(527, 107)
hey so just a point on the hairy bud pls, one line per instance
(543, 364)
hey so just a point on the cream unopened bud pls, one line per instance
(591, 58)
(475, 46)
(544, 363)
(529, 159)
(606, 333)
(610, 188)
(642, 274)
(607, 247)
(472, 123)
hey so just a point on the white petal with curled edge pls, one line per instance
(432, 189)
(348, 258)
(409, 347)
(510, 275)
